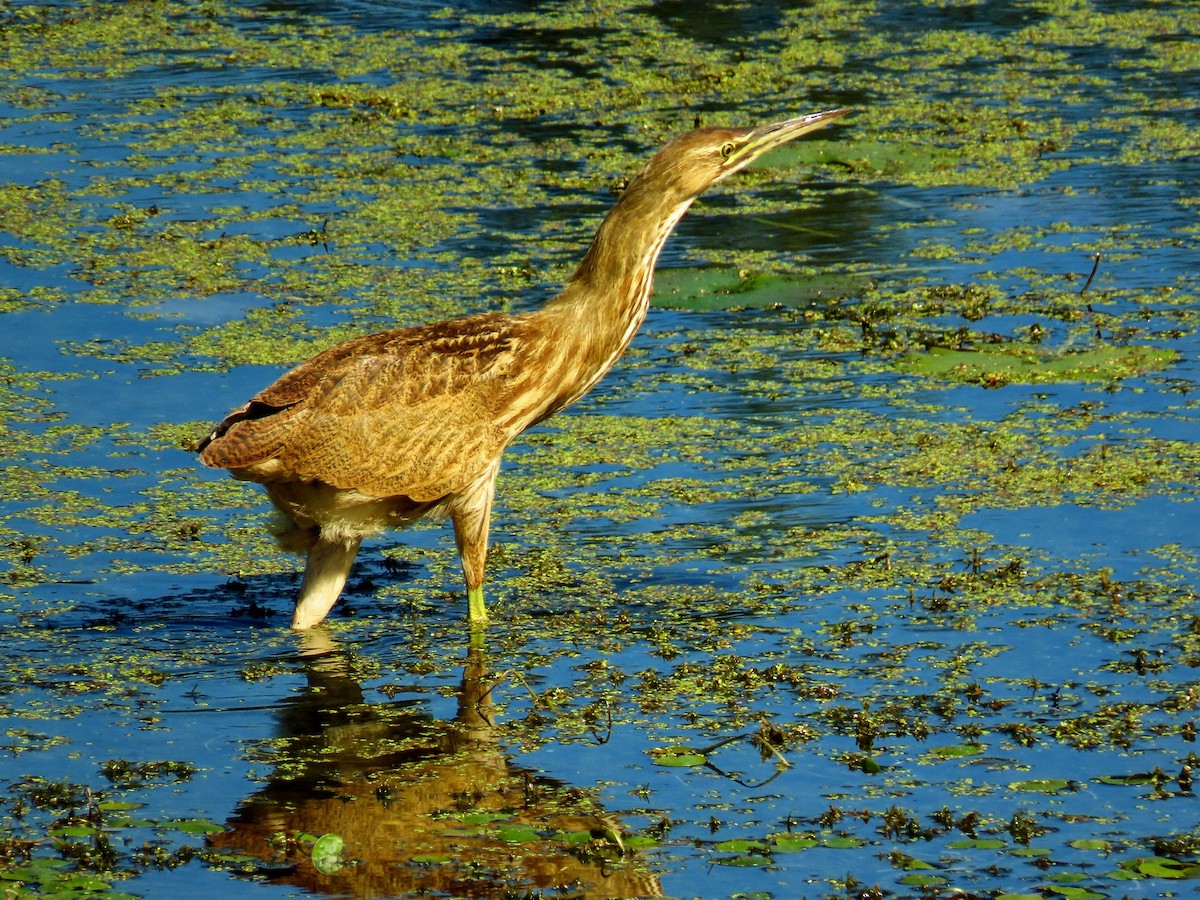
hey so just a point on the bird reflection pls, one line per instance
(423, 805)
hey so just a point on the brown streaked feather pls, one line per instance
(247, 436)
(399, 413)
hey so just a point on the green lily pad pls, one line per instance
(641, 840)
(572, 837)
(909, 863)
(866, 765)
(327, 853)
(952, 751)
(1075, 893)
(917, 880)
(1127, 780)
(719, 287)
(1090, 844)
(129, 822)
(73, 831)
(483, 818)
(678, 756)
(118, 805)
(977, 844)
(900, 160)
(747, 859)
(1042, 786)
(81, 885)
(1161, 867)
(843, 843)
(431, 859)
(38, 871)
(1067, 877)
(194, 826)
(785, 843)
(740, 846)
(997, 366)
(517, 834)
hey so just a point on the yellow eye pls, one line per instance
(727, 150)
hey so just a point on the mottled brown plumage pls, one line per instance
(381, 430)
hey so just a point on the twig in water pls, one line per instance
(1087, 284)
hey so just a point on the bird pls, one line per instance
(384, 429)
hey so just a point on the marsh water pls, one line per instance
(870, 571)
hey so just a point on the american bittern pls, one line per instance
(384, 429)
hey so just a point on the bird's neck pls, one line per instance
(605, 302)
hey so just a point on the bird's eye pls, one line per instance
(727, 150)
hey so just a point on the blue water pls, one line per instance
(127, 642)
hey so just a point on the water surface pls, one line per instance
(785, 607)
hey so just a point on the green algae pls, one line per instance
(690, 551)
(235, 123)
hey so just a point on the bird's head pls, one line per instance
(627, 245)
(694, 161)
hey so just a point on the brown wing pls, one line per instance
(400, 413)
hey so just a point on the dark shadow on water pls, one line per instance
(423, 805)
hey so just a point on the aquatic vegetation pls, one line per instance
(870, 568)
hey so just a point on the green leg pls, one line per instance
(470, 517)
(476, 611)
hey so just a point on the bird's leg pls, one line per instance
(476, 608)
(325, 574)
(470, 516)
(471, 534)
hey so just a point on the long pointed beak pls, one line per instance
(767, 137)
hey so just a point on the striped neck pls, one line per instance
(587, 327)
(606, 300)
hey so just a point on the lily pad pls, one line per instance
(73, 831)
(917, 880)
(718, 287)
(909, 863)
(748, 860)
(641, 840)
(1075, 893)
(432, 859)
(1067, 877)
(865, 764)
(573, 837)
(327, 853)
(118, 805)
(517, 834)
(784, 843)
(741, 846)
(1161, 867)
(483, 818)
(952, 751)
(194, 826)
(1042, 786)
(678, 756)
(977, 844)
(998, 366)
(900, 160)
(843, 843)
(1127, 780)
(80, 885)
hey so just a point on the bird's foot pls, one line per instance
(476, 610)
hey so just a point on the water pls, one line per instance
(912, 633)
